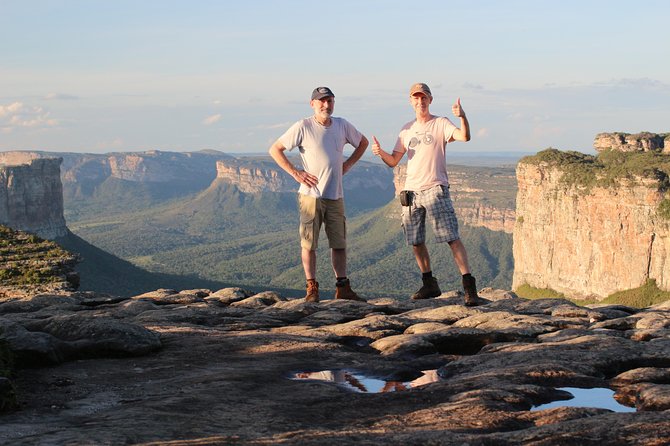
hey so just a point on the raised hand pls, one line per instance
(376, 148)
(457, 109)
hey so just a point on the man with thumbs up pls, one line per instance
(427, 185)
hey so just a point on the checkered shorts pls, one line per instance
(436, 204)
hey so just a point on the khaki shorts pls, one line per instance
(317, 211)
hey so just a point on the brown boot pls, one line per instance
(470, 288)
(343, 291)
(429, 289)
(312, 291)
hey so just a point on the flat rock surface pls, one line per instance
(196, 367)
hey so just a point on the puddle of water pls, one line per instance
(599, 397)
(359, 382)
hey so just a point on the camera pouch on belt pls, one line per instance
(406, 197)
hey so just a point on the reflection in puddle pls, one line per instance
(359, 382)
(599, 397)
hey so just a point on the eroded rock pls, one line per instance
(216, 365)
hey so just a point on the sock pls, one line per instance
(427, 275)
(341, 281)
(466, 276)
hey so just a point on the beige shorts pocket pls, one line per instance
(308, 220)
(307, 239)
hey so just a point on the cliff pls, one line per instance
(147, 166)
(259, 174)
(31, 197)
(638, 142)
(487, 216)
(482, 197)
(587, 227)
(255, 177)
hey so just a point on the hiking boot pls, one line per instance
(428, 290)
(343, 291)
(312, 291)
(470, 287)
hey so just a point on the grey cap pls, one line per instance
(322, 92)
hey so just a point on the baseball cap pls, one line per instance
(420, 88)
(322, 92)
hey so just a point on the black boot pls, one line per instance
(470, 288)
(428, 290)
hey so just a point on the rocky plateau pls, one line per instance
(196, 367)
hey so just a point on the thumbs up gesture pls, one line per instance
(457, 109)
(376, 148)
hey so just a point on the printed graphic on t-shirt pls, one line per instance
(421, 137)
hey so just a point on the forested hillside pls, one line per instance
(265, 252)
(236, 231)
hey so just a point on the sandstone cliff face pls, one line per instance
(486, 216)
(31, 197)
(588, 244)
(153, 166)
(254, 179)
(471, 198)
(156, 166)
(257, 175)
(639, 142)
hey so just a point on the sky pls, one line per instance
(183, 75)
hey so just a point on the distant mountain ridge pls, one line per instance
(98, 184)
(228, 219)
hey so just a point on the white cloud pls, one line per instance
(472, 86)
(483, 133)
(18, 115)
(10, 109)
(60, 97)
(212, 119)
(642, 82)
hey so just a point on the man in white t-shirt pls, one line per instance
(424, 140)
(321, 139)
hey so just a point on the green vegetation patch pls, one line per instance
(647, 295)
(30, 260)
(528, 292)
(606, 169)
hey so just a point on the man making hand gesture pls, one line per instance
(424, 140)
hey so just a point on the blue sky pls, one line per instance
(100, 76)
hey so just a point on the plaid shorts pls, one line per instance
(436, 204)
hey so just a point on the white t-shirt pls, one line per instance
(425, 145)
(321, 150)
